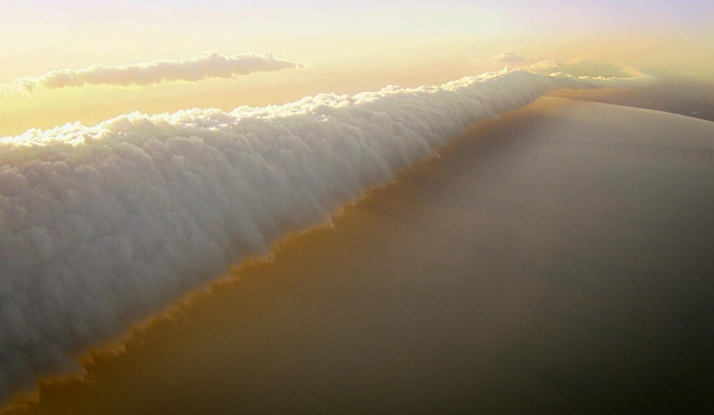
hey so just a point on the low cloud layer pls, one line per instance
(105, 225)
(209, 65)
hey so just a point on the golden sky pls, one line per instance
(347, 48)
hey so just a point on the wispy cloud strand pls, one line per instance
(209, 65)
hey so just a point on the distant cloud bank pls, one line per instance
(583, 69)
(575, 69)
(102, 226)
(209, 65)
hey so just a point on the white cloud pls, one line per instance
(209, 65)
(508, 57)
(102, 226)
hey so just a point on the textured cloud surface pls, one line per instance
(102, 226)
(210, 65)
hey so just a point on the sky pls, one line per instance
(346, 46)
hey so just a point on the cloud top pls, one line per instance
(209, 65)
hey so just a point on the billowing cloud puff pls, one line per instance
(209, 65)
(102, 226)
